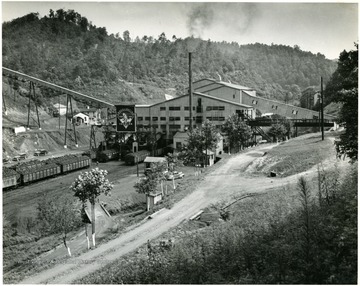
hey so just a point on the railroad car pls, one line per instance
(28, 172)
(34, 174)
(108, 155)
(130, 159)
(10, 178)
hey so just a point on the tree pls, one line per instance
(201, 140)
(277, 131)
(88, 186)
(152, 139)
(287, 123)
(58, 216)
(152, 178)
(237, 130)
(174, 162)
(343, 88)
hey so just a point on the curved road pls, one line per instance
(224, 181)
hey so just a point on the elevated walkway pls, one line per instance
(296, 122)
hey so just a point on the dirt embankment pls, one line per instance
(51, 136)
(52, 133)
(53, 141)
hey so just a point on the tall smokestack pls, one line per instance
(190, 94)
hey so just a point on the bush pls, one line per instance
(315, 244)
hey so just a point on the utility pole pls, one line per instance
(322, 110)
(190, 95)
(137, 166)
(59, 111)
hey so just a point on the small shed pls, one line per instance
(149, 161)
(152, 199)
(19, 129)
(180, 140)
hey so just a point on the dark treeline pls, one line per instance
(66, 48)
(314, 244)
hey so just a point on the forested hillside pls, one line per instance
(65, 48)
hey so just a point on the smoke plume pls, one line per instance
(235, 17)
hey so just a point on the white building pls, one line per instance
(171, 116)
(94, 115)
(60, 107)
(214, 101)
(81, 118)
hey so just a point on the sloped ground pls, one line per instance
(225, 181)
(294, 156)
(53, 141)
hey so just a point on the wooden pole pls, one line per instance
(322, 110)
(73, 123)
(28, 121)
(4, 104)
(93, 221)
(66, 115)
(36, 107)
(59, 111)
(190, 95)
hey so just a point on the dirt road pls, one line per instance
(224, 181)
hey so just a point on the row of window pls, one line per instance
(216, 118)
(177, 118)
(171, 126)
(162, 126)
(208, 108)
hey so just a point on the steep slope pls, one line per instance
(66, 49)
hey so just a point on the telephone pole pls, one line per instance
(322, 110)
(190, 94)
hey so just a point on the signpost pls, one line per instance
(125, 118)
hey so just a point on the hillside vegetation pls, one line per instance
(298, 234)
(66, 49)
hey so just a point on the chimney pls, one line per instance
(190, 95)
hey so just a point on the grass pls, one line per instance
(253, 212)
(20, 254)
(296, 155)
(257, 212)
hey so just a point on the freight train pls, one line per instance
(35, 170)
(137, 157)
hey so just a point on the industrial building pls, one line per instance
(309, 97)
(171, 116)
(215, 101)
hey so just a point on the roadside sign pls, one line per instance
(125, 118)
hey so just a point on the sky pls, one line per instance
(322, 27)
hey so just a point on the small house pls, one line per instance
(81, 118)
(93, 114)
(60, 108)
